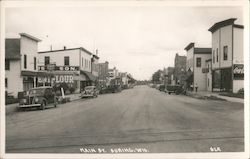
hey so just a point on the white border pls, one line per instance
(78, 3)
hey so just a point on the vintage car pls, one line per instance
(162, 88)
(89, 91)
(39, 97)
(177, 89)
(111, 89)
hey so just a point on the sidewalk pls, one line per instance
(213, 96)
(73, 96)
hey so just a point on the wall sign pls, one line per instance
(238, 71)
(56, 79)
(58, 68)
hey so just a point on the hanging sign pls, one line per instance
(238, 71)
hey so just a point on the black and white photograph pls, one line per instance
(138, 78)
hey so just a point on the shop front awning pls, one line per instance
(89, 75)
(28, 73)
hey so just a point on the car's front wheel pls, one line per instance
(43, 105)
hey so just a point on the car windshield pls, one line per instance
(36, 91)
(89, 88)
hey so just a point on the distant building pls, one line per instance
(21, 63)
(169, 76)
(196, 61)
(180, 69)
(227, 56)
(103, 73)
(114, 78)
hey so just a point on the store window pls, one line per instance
(7, 64)
(225, 52)
(25, 61)
(46, 60)
(34, 63)
(198, 62)
(66, 60)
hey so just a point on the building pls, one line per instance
(227, 56)
(94, 65)
(103, 73)
(114, 78)
(169, 76)
(21, 63)
(124, 79)
(180, 69)
(68, 68)
(196, 61)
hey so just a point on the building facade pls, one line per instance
(71, 68)
(227, 56)
(103, 73)
(21, 63)
(180, 69)
(169, 76)
(196, 61)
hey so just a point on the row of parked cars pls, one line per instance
(177, 89)
(42, 97)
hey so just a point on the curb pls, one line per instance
(208, 97)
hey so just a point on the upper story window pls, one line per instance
(198, 62)
(213, 56)
(82, 61)
(7, 64)
(66, 60)
(217, 55)
(6, 82)
(25, 61)
(34, 63)
(46, 60)
(225, 52)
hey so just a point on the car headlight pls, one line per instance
(36, 99)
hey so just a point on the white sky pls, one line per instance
(138, 40)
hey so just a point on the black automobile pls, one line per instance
(39, 97)
(162, 88)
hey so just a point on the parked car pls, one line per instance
(111, 89)
(39, 97)
(162, 88)
(90, 91)
(177, 89)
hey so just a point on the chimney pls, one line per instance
(64, 47)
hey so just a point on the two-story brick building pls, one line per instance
(21, 63)
(227, 56)
(180, 69)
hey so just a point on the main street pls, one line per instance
(141, 117)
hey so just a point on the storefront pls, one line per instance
(228, 79)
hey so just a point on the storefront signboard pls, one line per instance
(238, 71)
(58, 68)
(57, 79)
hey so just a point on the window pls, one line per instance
(217, 56)
(198, 62)
(25, 61)
(86, 63)
(7, 64)
(6, 82)
(46, 60)
(213, 56)
(82, 61)
(208, 82)
(225, 52)
(66, 60)
(34, 63)
(89, 64)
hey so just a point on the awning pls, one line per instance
(89, 75)
(28, 73)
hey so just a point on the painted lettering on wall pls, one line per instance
(56, 79)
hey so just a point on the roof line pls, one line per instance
(30, 37)
(80, 48)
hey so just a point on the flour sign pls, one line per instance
(238, 71)
(57, 79)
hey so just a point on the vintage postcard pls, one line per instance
(125, 79)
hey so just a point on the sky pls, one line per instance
(134, 39)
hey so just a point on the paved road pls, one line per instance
(141, 117)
